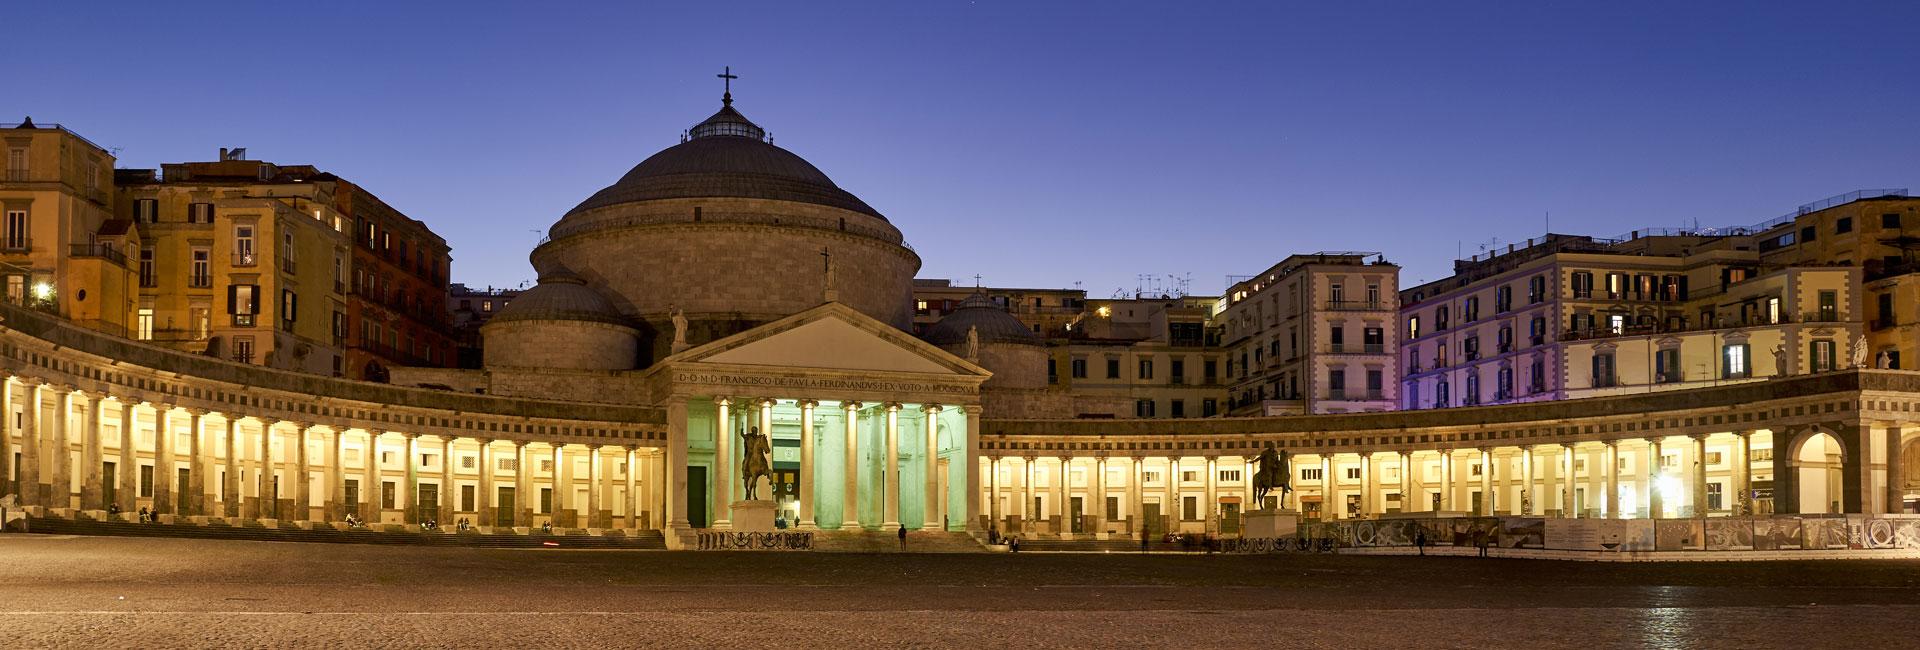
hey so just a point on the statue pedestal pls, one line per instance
(753, 516)
(1266, 524)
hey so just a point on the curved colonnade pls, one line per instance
(86, 408)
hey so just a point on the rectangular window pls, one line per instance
(1843, 225)
(1829, 306)
(1336, 384)
(1146, 368)
(1666, 366)
(1310, 474)
(1603, 375)
(1821, 353)
(149, 277)
(1177, 408)
(386, 495)
(16, 236)
(1503, 299)
(1773, 311)
(1209, 408)
(243, 304)
(146, 480)
(243, 349)
(146, 210)
(243, 251)
(1890, 221)
(17, 164)
(1734, 363)
(1113, 368)
(1582, 284)
(1413, 327)
(1536, 289)
(145, 324)
(1376, 381)
(1714, 496)
(200, 213)
(1337, 337)
(1143, 408)
(1338, 293)
(1471, 311)
(466, 499)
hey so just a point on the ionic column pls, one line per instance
(303, 473)
(1568, 508)
(632, 501)
(1330, 508)
(523, 496)
(1448, 499)
(488, 508)
(723, 465)
(1896, 495)
(993, 492)
(128, 471)
(1612, 497)
(1655, 504)
(336, 508)
(671, 481)
(1137, 495)
(1487, 507)
(931, 470)
(1409, 502)
(447, 487)
(230, 484)
(1026, 494)
(1099, 489)
(766, 429)
(1211, 512)
(1526, 480)
(970, 455)
(1173, 492)
(595, 481)
(1743, 474)
(31, 492)
(409, 497)
(849, 502)
(1366, 484)
(164, 471)
(890, 469)
(269, 507)
(1700, 474)
(60, 485)
(1063, 497)
(91, 497)
(807, 442)
(371, 488)
(196, 465)
(562, 485)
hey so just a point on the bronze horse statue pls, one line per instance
(753, 460)
(1272, 473)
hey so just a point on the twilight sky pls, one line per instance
(1034, 143)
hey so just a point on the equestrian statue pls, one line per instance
(1272, 473)
(753, 461)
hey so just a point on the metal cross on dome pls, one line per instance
(727, 76)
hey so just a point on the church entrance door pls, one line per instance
(503, 506)
(697, 496)
(1075, 522)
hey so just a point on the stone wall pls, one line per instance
(560, 344)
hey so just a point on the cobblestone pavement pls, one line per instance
(151, 593)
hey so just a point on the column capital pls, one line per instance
(304, 425)
(630, 447)
(972, 409)
(96, 395)
(894, 407)
(1699, 436)
(594, 446)
(1066, 458)
(517, 444)
(29, 380)
(809, 403)
(1139, 459)
(267, 423)
(763, 402)
(410, 436)
(723, 401)
(930, 408)
(161, 407)
(196, 411)
(480, 441)
(1611, 442)
(375, 432)
(61, 387)
(1653, 440)
(851, 405)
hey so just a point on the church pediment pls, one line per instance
(829, 337)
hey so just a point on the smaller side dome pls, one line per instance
(991, 323)
(561, 295)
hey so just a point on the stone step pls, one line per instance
(644, 539)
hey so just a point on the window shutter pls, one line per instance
(233, 298)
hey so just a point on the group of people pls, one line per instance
(994, 538)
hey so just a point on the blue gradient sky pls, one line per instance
(1037, 144)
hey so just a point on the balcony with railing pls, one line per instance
(287, 266)
(246, 258)
(99, 251)
(1691, 326)
(199, 280)
(1357, 305)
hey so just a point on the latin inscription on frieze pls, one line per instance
(820, 383)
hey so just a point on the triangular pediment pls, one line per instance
(829, 337)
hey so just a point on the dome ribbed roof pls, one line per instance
(726, 155)
(561, 295)
(993, 324)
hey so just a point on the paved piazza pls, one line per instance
(118, 592)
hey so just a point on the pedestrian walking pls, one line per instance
(903, 537)
(1144, 540)
(1420, 541)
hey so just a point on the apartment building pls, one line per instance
(1314, 333)
(61, 248)
(1142, 358)
(1046, 311)
(1565, 317)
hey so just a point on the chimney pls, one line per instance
(223, 154)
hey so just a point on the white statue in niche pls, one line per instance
(1884, 362)
(973, 344)
(1780, 360)
(1860, 352)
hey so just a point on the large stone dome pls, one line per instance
(727, 166)
(733, 231)
(990, 322)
